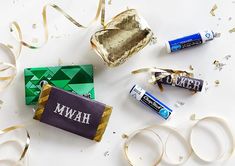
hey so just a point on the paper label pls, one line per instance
(73, 113)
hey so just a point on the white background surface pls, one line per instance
(168, 19)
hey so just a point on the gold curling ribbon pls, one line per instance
(129, 34)
(189, 144)
(8, 66)
(27, 142)
(162, 74)
(132, 136)
(100, 10)
(225, 126)
(13, 56)
(172, 131)
(14, 27)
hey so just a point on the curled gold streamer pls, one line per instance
(26, 146)
(14, 27)
(172, 131)
(131, 137)
(162, 74)
(13, 56)
(189, 144)
(8, 66)
(100, 10)
(224, 124)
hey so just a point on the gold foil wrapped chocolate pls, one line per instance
(126, 34)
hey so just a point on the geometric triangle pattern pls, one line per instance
(77, 79)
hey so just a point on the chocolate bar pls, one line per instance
(182, 82)
(73, 113)
(77, 79)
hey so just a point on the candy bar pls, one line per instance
(73, 113)
(77, 79)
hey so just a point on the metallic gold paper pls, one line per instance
(43, 98)
(212, 11)
(162, 74)
(126, 34)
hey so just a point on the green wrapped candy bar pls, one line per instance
(77, 79)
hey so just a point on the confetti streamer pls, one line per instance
(5, 67)
(225, 126)
(26, 145)
(132, 136)
(212, 12)
(15, 28)
(189, 146)
(162, 149)
(161, 74)
(232, 30)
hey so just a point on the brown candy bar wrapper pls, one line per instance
(73, 113)
(126, 34)
(182, 82)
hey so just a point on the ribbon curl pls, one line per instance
(163, 149)
(8, 66)
(225, 126)
(190, 147)
(15, 27)
(27, 142)
(132, 136)
(162, 73)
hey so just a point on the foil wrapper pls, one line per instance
(177, 78)
(76, 78)
(181, 81)
(126, 34)
(73, 113)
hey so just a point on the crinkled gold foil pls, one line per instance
(126, 34)
(212, 12)
(103, 123)
(43, 98)
(162, 74)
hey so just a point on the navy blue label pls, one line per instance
(185, 42)
(156, 105)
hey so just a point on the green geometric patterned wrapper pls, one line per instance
(77, 79)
